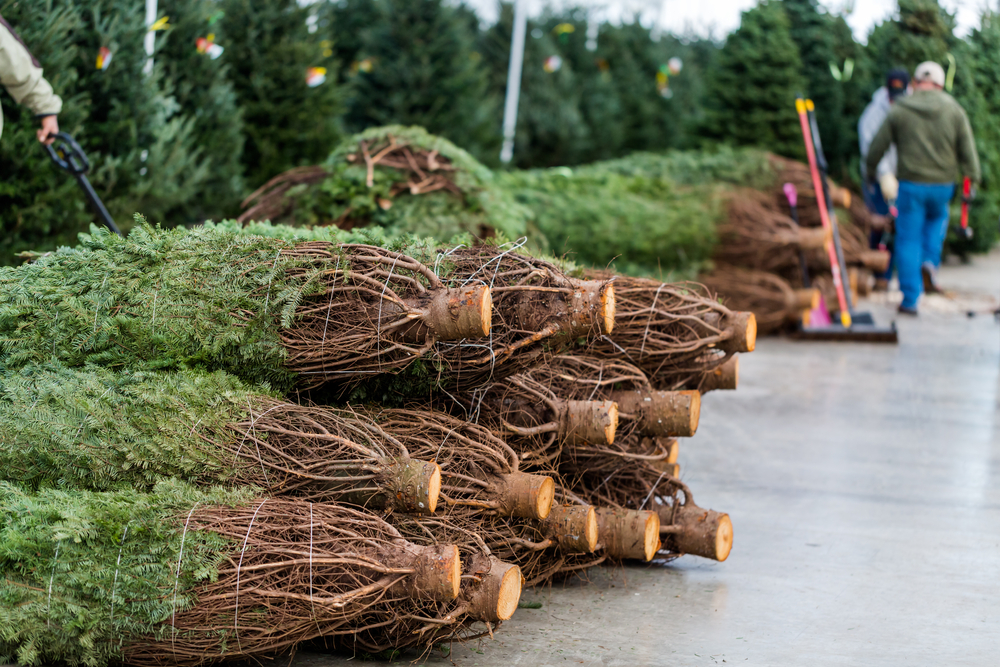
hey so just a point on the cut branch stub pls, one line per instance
(664, 413)
(813, 238)
(415, 486)
(588, 422)
(451, 313)
(629, 533)
(526, 496)
(724, 376)
(697, 531)
(593, 302)
(437, 573)
(742, 326)
(573, 528)
(801, 299)
(876, 260)
(493, 595)
(671, 468)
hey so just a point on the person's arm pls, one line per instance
(22, 76)
(880, 144)
(968, 158)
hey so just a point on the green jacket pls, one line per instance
(933, 139)
(21, 75)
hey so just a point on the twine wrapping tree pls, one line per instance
(187, 577)
(772, 300)
(673, 332)
(641, 409)
(268, 310)
(96, 429)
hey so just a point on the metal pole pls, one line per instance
(514, 80)
(150, 40)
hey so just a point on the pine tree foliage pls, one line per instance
(158, 299)
(752, 87)
(811, 28)
(201, 85)
(106, 430)
(551, 129)
(84, 572)
(479, 207)
(422, 69)
(142, 149)
(269, 49)
(922, 30)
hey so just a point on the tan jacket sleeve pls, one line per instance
(21, 75)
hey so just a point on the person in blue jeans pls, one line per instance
(934, 146)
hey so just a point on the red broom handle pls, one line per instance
(838, 283)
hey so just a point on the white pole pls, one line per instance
(514, 80)
(150, 40)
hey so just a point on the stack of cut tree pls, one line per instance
(772, 260)
(217, 445)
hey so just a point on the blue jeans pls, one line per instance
(920, 231)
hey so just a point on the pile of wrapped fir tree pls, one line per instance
(225, 443)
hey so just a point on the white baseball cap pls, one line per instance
(929, 71)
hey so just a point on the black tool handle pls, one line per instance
(68, 155)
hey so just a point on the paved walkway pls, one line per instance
(863, 481)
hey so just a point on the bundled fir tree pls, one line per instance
(190, 576)
(750, 96)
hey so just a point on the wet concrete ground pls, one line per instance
(863, 481)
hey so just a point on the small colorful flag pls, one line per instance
(208, 46)
(103, 58)
(552, 64)
(161, 24)
(675, 65)
(315, 76)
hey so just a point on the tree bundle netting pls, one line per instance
(268, 310)
(401, 179)
(673, 332)
(93, 428)
(185, 576)
(773, 301)
(479, 470)
(641, 408)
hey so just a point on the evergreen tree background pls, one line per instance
(205, 93)
(269, 48)
(751, 89)
(421, 69)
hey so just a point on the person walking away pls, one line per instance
(22, 76)
(883, 188)
(934, 145)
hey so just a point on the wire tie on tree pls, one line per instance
(114, 586)
(236, 609)
(48, 605)
(177, 576)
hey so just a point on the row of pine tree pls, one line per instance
(190, 139)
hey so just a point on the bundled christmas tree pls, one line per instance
(399, 179)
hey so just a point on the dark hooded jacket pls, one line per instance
(933, 139)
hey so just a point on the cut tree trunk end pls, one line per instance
(494, 597)
(725, 376)
(665, 413)
(743, 329)
(670, 468)
(813, 238)
(415, 486)
(454, 313)
(801, 299)
(573, 528)
(875, 260)
(437, 573)
(589, 422)
(526, 496)
(698, 531)
(629, 533)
